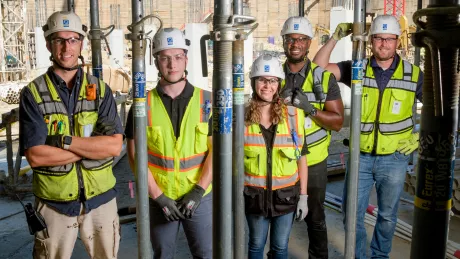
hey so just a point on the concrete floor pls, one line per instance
(15, 241)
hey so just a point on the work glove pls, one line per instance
(302, 208)
(168, 206)
(286, 95)
(407, 146)
(300, 100)
(190, 202)
(104, 127)
(55, 140)
(342, 30)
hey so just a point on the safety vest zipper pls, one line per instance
(377, 121)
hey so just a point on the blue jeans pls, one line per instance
(280, 229)
(387, 172)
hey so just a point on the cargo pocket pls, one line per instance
(201, 137)
(253, 200)
(40, 249)
(286, 199)
(251, 162)
(155, 140)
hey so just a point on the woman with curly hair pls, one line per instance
(275, 165)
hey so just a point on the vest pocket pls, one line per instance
(253, 200)
(201, 137)
(54, 170)
(286, 199)
(85, 123)
(251, 162)
(155, 140)
(288, 162)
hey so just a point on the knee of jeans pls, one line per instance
(256, 243)
(279, 246)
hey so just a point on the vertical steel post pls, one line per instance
(417, 49)
(238, 142)
(301, 7)
(222, 131)
(95, 33)
(140, 138)
(433, 194)
(70, 6)
(355, 128)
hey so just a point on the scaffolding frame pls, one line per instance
(14, 47)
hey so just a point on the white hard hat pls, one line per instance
(169, 38)
(64, 21)
(297, 24)
(266, 65)
(385, 24)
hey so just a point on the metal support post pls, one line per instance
(70, 6)
(417, 49)
(222, 131)
(140, 124)
(301, 7)
(238, 142)
(440, 36)
(95, 37)
(355, 128)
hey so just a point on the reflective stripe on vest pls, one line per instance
(277, 182)
(396, 126)
(316, 136)
(192, 162)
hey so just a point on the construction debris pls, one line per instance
(9, 92)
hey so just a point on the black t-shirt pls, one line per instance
(296, 80)
(174, 107)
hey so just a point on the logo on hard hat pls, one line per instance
(384, 26)
(170, 41)
(296, 26)
(267, 68)
(65, 23)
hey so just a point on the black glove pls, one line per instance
(55, 140)
(286, 95)
(190, 202)
(168, 206)
(104, 127)
(300, 100)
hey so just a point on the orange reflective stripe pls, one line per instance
(277, 182)
(192, 162)
(149, 115)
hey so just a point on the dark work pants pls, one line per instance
(316, 219)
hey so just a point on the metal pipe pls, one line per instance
(140, 138)
(301, 7)
(70, 6)
(355, 127)
(433, 195)
(95, 33)
(238, 141)
(222, 131)
(417, 49)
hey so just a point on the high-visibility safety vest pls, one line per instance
(386, 116)
(284, 153)
(63, 183)
(176, 163)
(318, 138)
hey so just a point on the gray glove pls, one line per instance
(300, 100)
(168, 206)
(302, 208)
(286, 95)
(190, 202)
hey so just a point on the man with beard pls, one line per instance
(390, 86)
(314, 90)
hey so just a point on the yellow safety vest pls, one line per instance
(63, 183)
(318, 138)
(176, 163)
(386, 117)
(284, 153)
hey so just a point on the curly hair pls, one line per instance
(253, 115)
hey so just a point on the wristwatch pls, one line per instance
(67, 140)
(313, 111)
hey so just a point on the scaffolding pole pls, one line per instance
(359, 27)
(70, 6)
(222, 130)
(95, 37)
(440, 36)
(238, 142)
